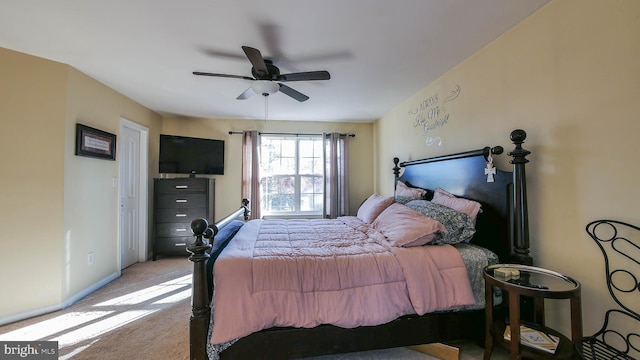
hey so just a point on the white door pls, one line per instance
(133, 193)
(129, 193)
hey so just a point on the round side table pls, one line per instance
(538, 283)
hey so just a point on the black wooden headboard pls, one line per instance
(500, 225)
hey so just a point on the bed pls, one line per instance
(500, 232)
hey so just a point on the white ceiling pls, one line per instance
(379, 52)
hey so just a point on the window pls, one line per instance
(291, 169)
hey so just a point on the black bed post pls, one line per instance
(396, 172)
(520, 213)
(200, 310)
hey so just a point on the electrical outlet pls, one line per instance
(90, 258)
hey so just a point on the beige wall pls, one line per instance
(56, 206)
(569, 76)
(91, 207)
(228, 186)
(32, 118)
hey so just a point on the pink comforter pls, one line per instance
(304, 273)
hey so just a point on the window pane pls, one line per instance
(308, 165)
(310, 156)
(286, 184)
(318, 185)
(306, 202)
(278, 203)
(278, 156)
(306, 185)
(318, 201)
(288, 147)
(278, 184)
(306, 147)
(287, 165)
(278, 193)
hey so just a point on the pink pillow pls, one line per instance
(414, 193)
(406, 227)
(465, 206)
(372, 207)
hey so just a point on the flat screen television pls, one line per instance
(188, 155)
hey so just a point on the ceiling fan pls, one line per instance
(267, 79)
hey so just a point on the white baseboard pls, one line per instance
(65, 304)
(29, 314)
(79, 296)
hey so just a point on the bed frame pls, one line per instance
(501, 227)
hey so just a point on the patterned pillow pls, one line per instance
(460, 227)
(469, 207)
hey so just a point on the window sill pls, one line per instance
(291, 216)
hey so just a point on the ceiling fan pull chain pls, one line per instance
(266, 108)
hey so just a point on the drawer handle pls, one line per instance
(182, 186)
(181, 215)
(180, 244)
(181, 200)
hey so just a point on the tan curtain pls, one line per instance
(251, 171)
(336, 175)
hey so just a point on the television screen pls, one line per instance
(187, 155)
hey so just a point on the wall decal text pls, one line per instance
(431, 114)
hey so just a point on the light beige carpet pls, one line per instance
(133, 317)
(144, 314)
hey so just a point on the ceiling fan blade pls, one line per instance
(222, 75)
(270, 35)
(223, 54)
(293, 93)
(257, 61)
(245, 94)
(302, 76)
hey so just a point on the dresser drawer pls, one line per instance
(173, 245)
(181, 185)
(183, 201)
(174, 229)
(180, 214)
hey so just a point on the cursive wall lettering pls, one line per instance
(430, 115)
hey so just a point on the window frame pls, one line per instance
(266, 197)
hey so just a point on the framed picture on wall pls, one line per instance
(95, 143)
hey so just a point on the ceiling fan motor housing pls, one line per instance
(273, 74)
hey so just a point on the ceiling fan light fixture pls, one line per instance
(265, 87)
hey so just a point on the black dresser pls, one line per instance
(176, 203)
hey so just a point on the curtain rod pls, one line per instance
(295, 134)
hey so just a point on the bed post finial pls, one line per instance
(247, 211)
(520, 229)
(396, 172)
(200, 310)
